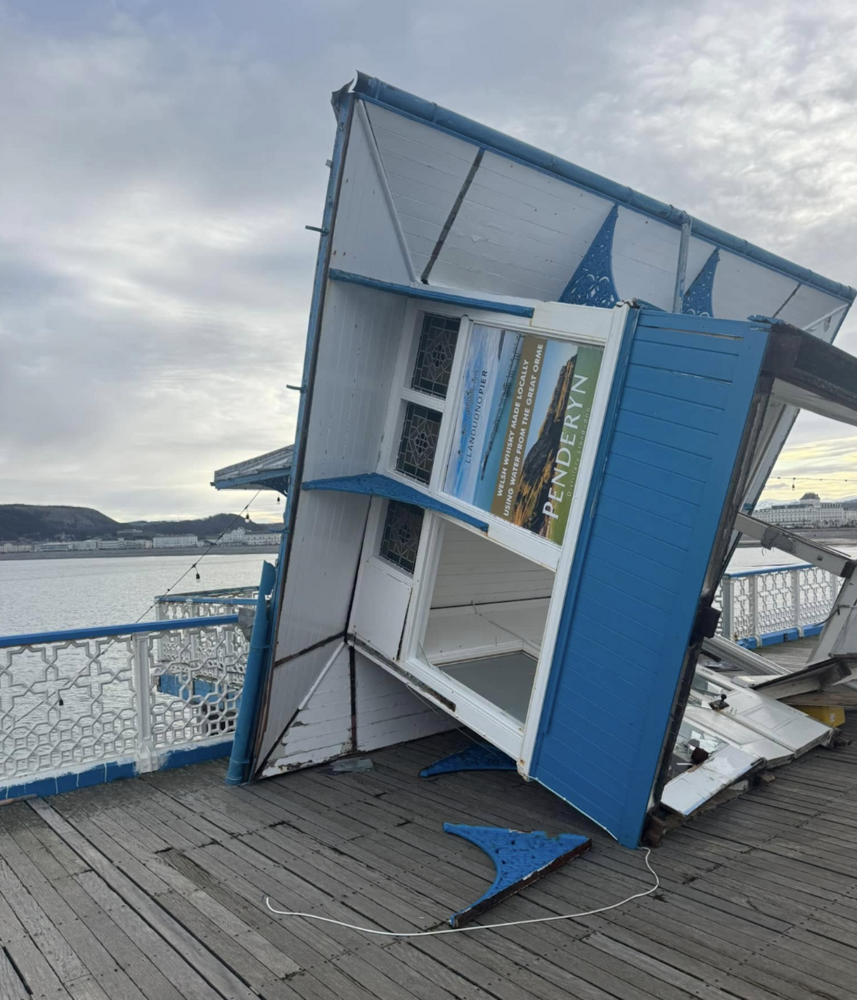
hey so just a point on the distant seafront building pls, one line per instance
(240, 536)
(174, 541)
(809, 512)
(8, 547)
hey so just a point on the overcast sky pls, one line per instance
(159, 161)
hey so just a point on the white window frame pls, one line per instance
(580, 324)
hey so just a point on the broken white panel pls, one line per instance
(686, 793)
(737, 735)
(762, 714)
(735, 657)
(321, 729)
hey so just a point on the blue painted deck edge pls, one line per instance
(100, 774)
(433, 294)
(385, 95)
(783, 635)
(195, 755)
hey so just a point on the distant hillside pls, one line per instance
(26, 522)
(32, 523)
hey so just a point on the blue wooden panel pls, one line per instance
(652, 404)
(632, 470)
(649, 501)
(652, 515)
(659, 456)
(687, 360)
(698, 390)
(675, 336)
(682, 439)
(662, 554)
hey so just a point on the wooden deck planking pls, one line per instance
(151, 889)
(794, 655)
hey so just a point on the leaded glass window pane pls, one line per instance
(435, 351)
(419, 442)
(401, 537)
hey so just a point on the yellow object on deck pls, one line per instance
(830, 715)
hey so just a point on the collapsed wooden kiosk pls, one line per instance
(533, 405)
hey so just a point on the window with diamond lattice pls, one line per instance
(419, 442)
(401, 536)
(435, 351)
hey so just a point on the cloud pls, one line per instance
(160, 162)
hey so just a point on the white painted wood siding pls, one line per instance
(522, 232)
(384, 710)
(474, 570)
(388, 712)
(357, 354)
(364, 235)
(358, 346)
(425, 169)
(322, 730)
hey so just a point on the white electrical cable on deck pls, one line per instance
(473, 927)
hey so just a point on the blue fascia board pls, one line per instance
(106, 631)
(393, 99)
(432, 294)
(268, 480)
(376, 485)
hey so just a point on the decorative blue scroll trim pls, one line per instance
(431, 294)
(376, 485)
(592, 283)
(519, 858)
(477, 757)
(697, 299)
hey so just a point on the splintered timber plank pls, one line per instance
(169, 931)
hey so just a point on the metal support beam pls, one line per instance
(773, 537)
(681, 266)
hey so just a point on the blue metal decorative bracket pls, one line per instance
(592, 283)
(520, 860)
(376, 485)
(477, 757)
(697, 299)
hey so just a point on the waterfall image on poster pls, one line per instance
(521, 426)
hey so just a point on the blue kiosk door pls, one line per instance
(684, 411)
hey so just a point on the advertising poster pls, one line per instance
(521, 426)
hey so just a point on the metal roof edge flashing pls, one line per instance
(401, 101)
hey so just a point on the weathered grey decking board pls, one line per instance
(152, 888)
(794, 654)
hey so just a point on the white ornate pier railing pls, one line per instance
(765, 606)
(84, 706)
